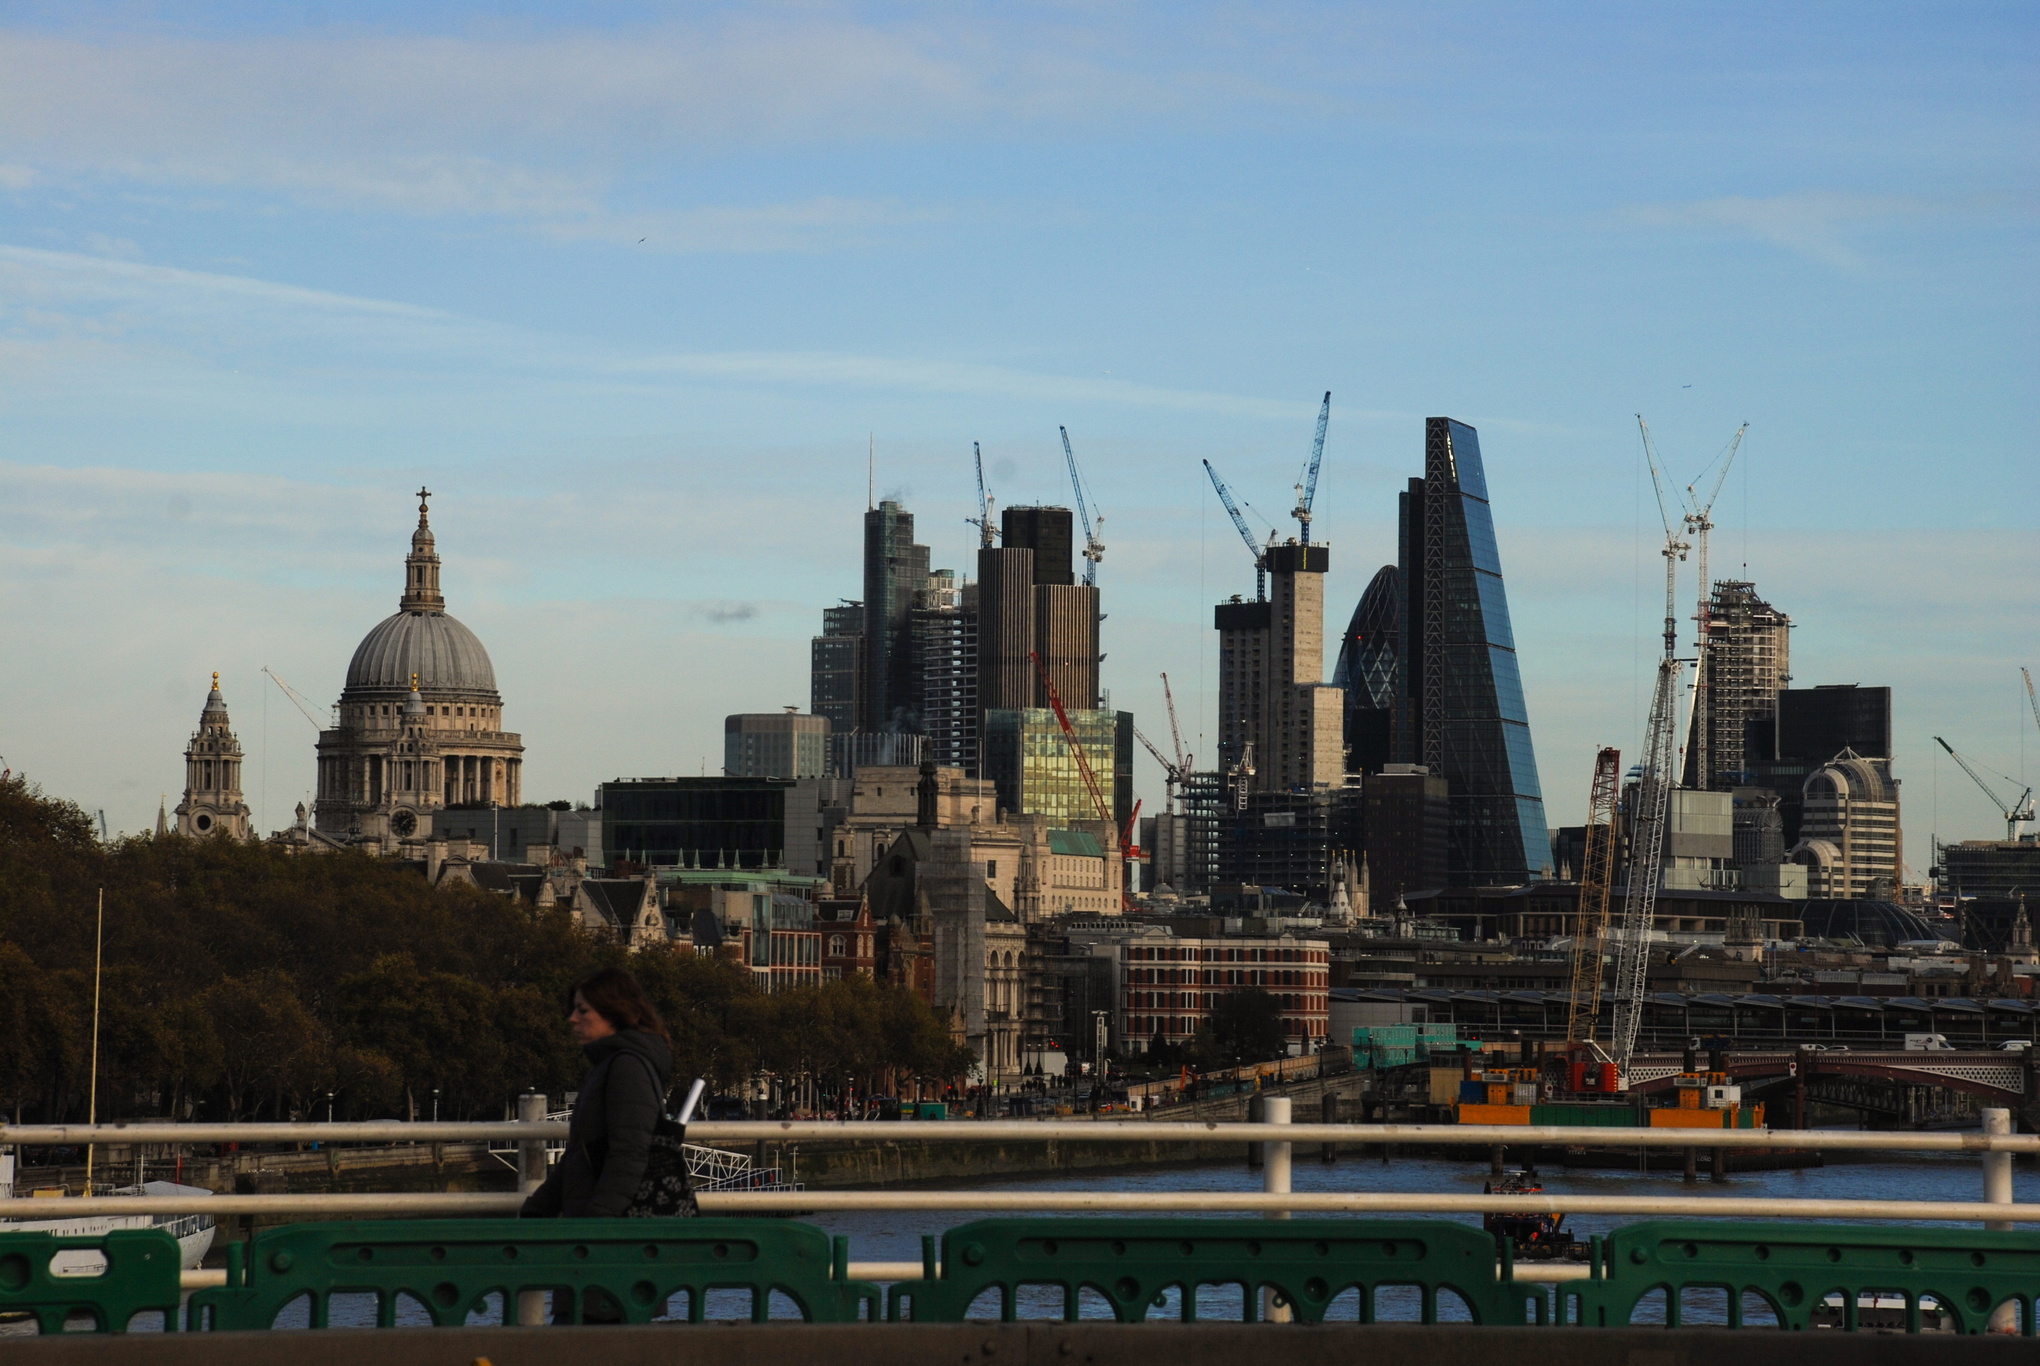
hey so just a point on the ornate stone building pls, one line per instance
(420, 722)
(212, 802)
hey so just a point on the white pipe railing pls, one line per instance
(1349, 1202)
(1041, 1131)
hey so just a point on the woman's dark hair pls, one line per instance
(616, 996)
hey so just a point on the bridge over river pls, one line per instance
(451, 1263)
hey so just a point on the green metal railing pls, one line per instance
(604, 1270)
(1135, 1264)
(1794, 1276)
(1798, 1270)
(139, 1277)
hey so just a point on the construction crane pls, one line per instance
(1062, 718)
(1246, 534)
(1597, 883)
(2015, 814)
(1171, 775)
(1129, 840)
(1306, 489)
(2032, 697)
(296, 697)
(1175, 731)
(1656, 776)
(1094, 532)
(1699, 520)
(983, 521)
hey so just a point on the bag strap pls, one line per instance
(656, 1087)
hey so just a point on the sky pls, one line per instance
(638, 290)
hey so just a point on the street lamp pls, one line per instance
(435, 1105)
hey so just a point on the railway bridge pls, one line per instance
(1873, 1082)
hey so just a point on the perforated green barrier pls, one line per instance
(1814, 1275)
(140, 1277)
(1134, 1263)
(451, 1267)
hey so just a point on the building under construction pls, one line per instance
(1747, 661)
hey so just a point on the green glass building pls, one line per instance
(1027, 757)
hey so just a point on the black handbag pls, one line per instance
(666, 1191)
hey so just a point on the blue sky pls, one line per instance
(633, 288)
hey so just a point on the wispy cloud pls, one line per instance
(1815, 224)
(195, 304)
(815, 224)
(544, 127)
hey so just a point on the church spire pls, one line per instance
(421, 567)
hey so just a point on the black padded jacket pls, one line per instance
(610, 1134)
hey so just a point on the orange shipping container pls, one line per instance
(1494, 1114)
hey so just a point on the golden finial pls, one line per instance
(414, 680)
(423, 494)
(216, 680)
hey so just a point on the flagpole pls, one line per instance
(92, 1105)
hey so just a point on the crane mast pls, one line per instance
(1656, 776)
(1239, 522)
(1597, 879)
(1306, 489)
(1094, 544)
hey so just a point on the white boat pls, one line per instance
(193, 1232)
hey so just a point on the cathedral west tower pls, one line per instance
(212, 802)
(420, 723)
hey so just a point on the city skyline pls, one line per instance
(232, 355)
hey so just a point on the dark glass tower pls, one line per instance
(895, 572)
(1462, 714)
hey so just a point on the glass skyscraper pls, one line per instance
(1461, 695)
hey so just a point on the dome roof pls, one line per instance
(445, 655)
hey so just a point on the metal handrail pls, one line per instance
(1061, 1130)
(1215, 1202)
(1357, 1202)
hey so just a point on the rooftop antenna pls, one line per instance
(871, 472)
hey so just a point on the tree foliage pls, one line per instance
(241, 982)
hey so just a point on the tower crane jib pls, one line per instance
(1094, 531)
(1306, 488)
(1239, 522)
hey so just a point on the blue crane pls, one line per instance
(983, 521)
(1240, 523)
(1094, 544)
(1306, 492)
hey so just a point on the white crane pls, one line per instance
(297, 698)
(2015, 813)
(1656, 776)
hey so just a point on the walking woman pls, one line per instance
(630, 1058)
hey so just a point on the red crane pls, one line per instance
(1062, 718)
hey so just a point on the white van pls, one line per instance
(1926, 1043)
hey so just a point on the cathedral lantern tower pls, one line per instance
(420, 721)
(212, 802)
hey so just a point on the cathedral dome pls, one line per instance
(445, 655)
(421, 642)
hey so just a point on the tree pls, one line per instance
(1247, 1025)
